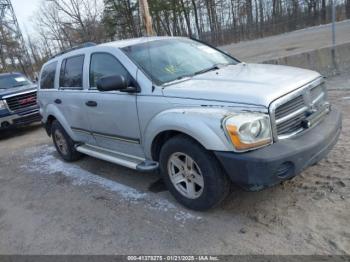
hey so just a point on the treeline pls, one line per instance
(61, 24)
(220, 21)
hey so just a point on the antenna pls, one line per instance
(13, 52)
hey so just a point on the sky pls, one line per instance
(25, 10)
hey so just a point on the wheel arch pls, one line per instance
(164, 136)
(48, 124)
(53, 113)
(205, 129)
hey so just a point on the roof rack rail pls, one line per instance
(84, 45)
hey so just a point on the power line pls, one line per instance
(13, 52)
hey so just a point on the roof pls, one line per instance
(135, 41)
(115, 44)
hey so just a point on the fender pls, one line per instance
(52, 110)
(202, 124)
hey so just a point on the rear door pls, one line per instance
(71, 97)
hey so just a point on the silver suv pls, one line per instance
(200, 116)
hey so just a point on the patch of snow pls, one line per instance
(45, 163)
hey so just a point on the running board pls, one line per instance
(118, 158)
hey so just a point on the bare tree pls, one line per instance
(65, 23)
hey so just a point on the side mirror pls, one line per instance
(117, 83)
(112, 83)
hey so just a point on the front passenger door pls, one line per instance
(113, 114)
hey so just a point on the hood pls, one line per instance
(255, 84)
(10, 91)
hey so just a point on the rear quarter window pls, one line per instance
(48, 74)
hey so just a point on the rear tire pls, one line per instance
(192, 174)
(63, 143)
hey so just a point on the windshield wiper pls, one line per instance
(19, 85)
(184, 76)
(214, 67)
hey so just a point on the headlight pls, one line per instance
(2, 105)
(248, 130)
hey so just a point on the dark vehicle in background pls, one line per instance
(18, 101)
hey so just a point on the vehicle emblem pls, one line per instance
(26, 100)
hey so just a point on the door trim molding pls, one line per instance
(76, 129)
(108, 136)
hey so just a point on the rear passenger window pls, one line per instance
(48, 74)
(102, 65)
(71, 75)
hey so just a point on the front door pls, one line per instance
(113, 114)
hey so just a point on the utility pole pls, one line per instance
(333, 23)
(12, 46)
(333, 35)
(147, 19)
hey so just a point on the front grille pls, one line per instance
(27, 119)
(292, 125)
(289, 115)
(287, 120)
(22, 101)
(289, 107)
(316, 91)
(318, 95)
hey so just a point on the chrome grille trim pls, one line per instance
(292, 105)
(290, 116)
(17, 94)
(296, 104)
(318, 98)
(13, 101)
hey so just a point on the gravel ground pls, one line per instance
(93, 207)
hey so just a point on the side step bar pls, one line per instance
(118, 158)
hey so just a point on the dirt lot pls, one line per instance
(93, 207)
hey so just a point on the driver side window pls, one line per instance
(102, 65)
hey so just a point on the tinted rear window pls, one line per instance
(48, 74)
(71, 75)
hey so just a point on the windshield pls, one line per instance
(13, 80)
(171, 59)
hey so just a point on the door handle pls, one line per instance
(91, 103)
(58, 101)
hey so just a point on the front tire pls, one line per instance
(63, 143)
(192, 174)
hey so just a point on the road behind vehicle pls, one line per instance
(18, 101)
(199, 115)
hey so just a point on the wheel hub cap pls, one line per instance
(185, 175)
(61, 142)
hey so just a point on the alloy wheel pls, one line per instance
(185, 175)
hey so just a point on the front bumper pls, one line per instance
(284, 159)
(20, 119)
